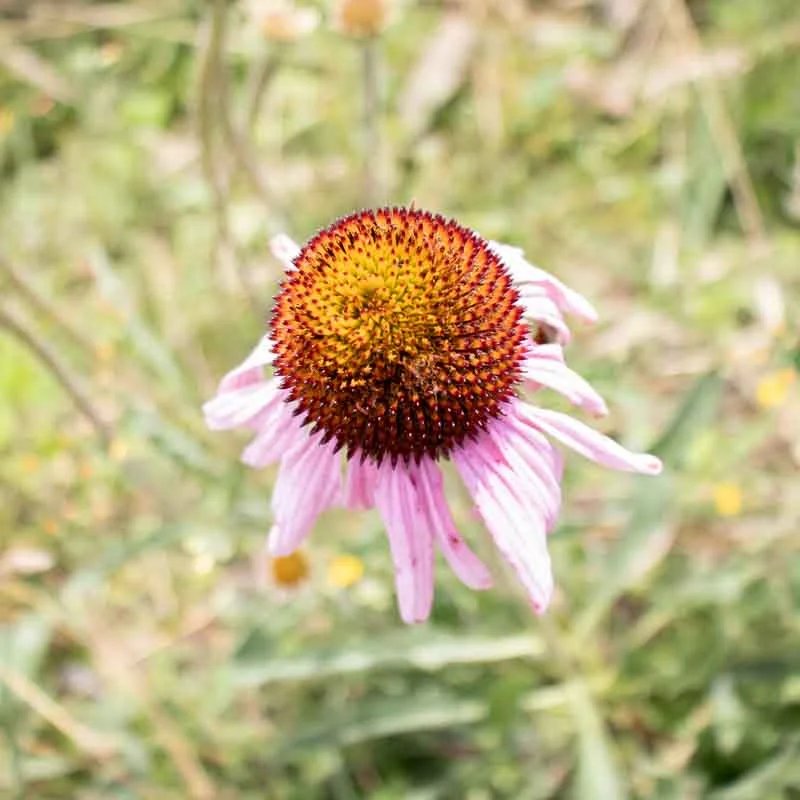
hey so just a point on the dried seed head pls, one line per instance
(399, 334)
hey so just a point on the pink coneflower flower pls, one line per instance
(400, 340)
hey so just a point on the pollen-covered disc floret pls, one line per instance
(398, 334)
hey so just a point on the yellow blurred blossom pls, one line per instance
(104, 351)
(118, 450)
(728, 499)
(30, 463)
(345, 571)
(773, 388)
(6, 120)
(289, 571)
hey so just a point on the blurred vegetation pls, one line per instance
(646, 151)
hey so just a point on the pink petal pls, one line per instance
(249, 371)
(462, 560)
(530, 457)
(540, 308)
(359, 486)
(410, 540)
(588, 442)
(273, 440)
(309, 482)
(516, 522)
(524, 273)
(285, 250)
(235, 408)
(545, 366)
(566, 299)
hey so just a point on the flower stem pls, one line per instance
(18, 328)
(371, 135)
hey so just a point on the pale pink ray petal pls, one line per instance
(250, 370)
(410, 541)
(285, 250)
(588, 442)
(236, 408)
(524, 273)
(516, 523)
(275, 438)
(309, 482)
(558, 464)
(462, 560)
(544, 366)
(359, 485)
(529, 456)
(566, 298)
(269, 415)
(514, 415)
(540, 308)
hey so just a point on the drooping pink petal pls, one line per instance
(359, 484)
(250, 370)
(544, 366)
(515, 417)
(275, 437)
(462, 560)
(410, 540)
(566, 299)
(531, 458)
(235, 408)
(558, 464)
(285, 250)
(524, 273)
(309, 482)
(537, 306)
(589, 442)
(516, 521)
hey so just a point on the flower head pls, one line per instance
(281, 21)
(362, 18)
(399, 340)
(289, 571)
(398, 335)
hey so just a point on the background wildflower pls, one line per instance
(345, 570)
(290, 570)
(362, 18)
(281, 21)
(773, 389)
(728, 499)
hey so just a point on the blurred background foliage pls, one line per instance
(646, 151)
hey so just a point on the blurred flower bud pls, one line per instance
(361, 18)
(289, 571)
(282, 21)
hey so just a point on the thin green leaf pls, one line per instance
(598, 775)
(429, 653)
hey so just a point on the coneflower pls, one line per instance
(399, 340)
